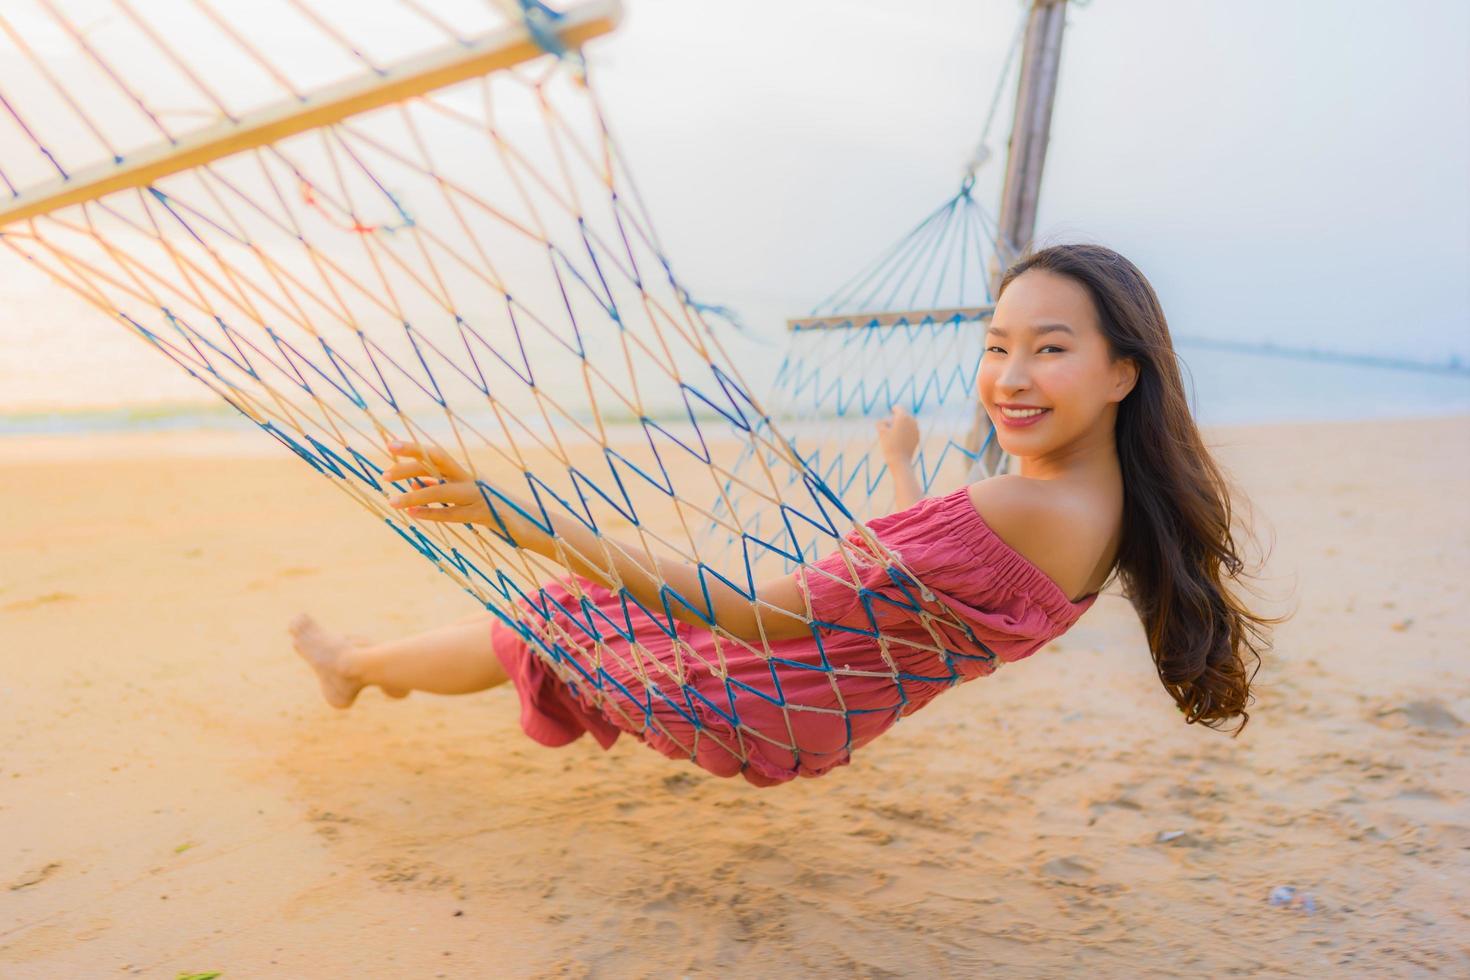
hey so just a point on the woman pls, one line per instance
(1081, 381)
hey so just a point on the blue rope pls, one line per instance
(723, 312)
(221, 355)
(541, 20)
(950, 235)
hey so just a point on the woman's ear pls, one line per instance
(1125, 376)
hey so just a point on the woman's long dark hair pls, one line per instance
(1179, 544)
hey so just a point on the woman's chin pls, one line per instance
(1010, 447)
(1020, 446)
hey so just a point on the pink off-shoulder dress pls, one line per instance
(882, 646)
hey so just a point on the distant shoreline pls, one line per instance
(1228, 383)
(243, 441)
(204, 421)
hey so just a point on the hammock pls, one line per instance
(424, 231)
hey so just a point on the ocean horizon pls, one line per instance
(1226, 387)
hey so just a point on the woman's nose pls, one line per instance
(1013, 377)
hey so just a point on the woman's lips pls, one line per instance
(1023, 421)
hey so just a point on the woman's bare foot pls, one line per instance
(328, 654)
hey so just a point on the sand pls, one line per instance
(175, 796)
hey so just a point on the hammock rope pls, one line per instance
(471, 267)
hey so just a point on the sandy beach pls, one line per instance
(175, 795)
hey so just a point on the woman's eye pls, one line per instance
(998, 350)
(1051, 347)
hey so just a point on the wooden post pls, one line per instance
(1020, 195)
(1030, 130)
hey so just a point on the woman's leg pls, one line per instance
(453, 659)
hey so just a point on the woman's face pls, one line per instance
(1046, 350)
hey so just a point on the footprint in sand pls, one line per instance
(681, 782)
(1067, 869)
(824, 880)
(329, 824)
(49, 599)
(295, 571)
(406, 875)
(915, 816)
(93, 930)
(1121, 801)
(875, 835)
(35, 877)
(675, 895)
(1430, 715)
(1450, 835)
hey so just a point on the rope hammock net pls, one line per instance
(415, 226)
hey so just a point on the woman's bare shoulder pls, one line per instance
(1057, 527)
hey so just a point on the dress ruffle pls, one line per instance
(887, 638)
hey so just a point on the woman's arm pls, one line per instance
(906, 489)
(898, 437)
(778, 613)
(643, 574)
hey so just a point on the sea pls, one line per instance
(1225, 386)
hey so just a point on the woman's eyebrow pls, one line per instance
(1037, 330)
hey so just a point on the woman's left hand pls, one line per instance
(898, 436)
(441, 480)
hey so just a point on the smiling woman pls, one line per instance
(1040, 369)
(1087, 344)
(438, 243)
(1080, 378)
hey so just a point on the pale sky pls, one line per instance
(1293, 171)
(1287, 170)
